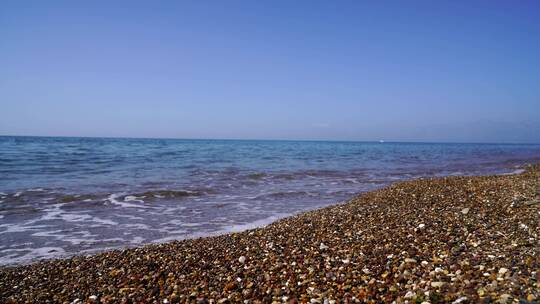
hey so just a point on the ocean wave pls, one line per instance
(284, 194)
(169, 194)
(36, 196)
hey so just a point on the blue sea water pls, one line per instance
(66, 196)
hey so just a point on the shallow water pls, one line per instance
(65, 196)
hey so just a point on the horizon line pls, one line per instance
(381, 141)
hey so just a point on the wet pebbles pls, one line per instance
(447, 240)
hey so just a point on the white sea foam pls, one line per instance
(172, 211)
(255, 224)
(131, 217)
(10, 228)
(137, 240)
(16, 256)
(352, 180)
(82, 237)
(174, 235)
(103, 221)
(132, 198)
(137, 226)
(174, 222)
(191, 224)
(36, 190)
(52, 213)
(56, 213)
(56, 234)
(113, 200)
(75, 217)
(113, 240)
(517, 171)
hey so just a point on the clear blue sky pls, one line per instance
(342, 70)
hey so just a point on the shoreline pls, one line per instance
(385, 245)
(260, 223)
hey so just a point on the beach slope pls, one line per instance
(444, 240)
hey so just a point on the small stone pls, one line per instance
(409, 260)
(323, 246)
(459, 300)
(242, 259)
(465, 210)
(424, 263)
(421, 226)
(437, 284)
(503, 270)
(92, 298)
(505, 298)
(531, 298)
(230, 286)
(165, 301)
(409, 295)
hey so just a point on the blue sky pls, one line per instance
(344, 70)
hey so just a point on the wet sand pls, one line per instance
(444, 240)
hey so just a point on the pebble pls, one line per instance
(409, 260)
(437, 284)
(465, 210)
(242, 259)
(505, 298)
(460, 300)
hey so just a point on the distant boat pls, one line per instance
(381, 141)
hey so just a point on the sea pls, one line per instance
(61, 196)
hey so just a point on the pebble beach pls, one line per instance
(440, 240)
